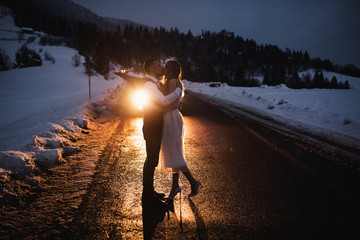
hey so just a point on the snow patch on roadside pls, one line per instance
(48, 142)
(49, 157)
(46, 151)
(18, 162)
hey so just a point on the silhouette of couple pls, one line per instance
(163, 131)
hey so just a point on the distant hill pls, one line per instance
(50, 15)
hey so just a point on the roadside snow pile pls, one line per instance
(17, 161)
(49, 157)
(80, 122)
(45, 142)
(55, 144)
(45, 151)
(317, 110)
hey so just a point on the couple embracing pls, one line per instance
(163, 130)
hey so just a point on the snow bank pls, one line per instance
(326, 110)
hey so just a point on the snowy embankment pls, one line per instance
(42, 108)
(321, 111)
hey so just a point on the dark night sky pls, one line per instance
(329, 29)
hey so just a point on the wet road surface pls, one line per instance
(258, 183)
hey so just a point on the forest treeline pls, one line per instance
(209, 57)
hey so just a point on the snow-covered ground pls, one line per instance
(319, 110)
(36, 103)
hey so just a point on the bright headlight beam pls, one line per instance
(140, 99)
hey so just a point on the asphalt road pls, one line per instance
(258, 183)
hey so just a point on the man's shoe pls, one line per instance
(152, 200)
(159, 195)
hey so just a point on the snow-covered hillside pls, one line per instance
(38, 102)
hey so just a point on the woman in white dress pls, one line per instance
(172, 147)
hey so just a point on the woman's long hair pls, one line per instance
(173, 70)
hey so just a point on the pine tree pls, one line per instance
(322, 80)
(295, 81)
(282, 75)
(346, 85)
(318, 80)
(274, 78)
(341, 85)
(307, 60)
(5, 63)
(334, 83)
(290, 68)
(239, 77)
(307, 80)
(189, 35)
(266, 80)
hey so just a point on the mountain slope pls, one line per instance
(47, 15)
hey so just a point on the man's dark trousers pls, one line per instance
(152, 130)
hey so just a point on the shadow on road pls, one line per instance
(152, 216)
(200, 224)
